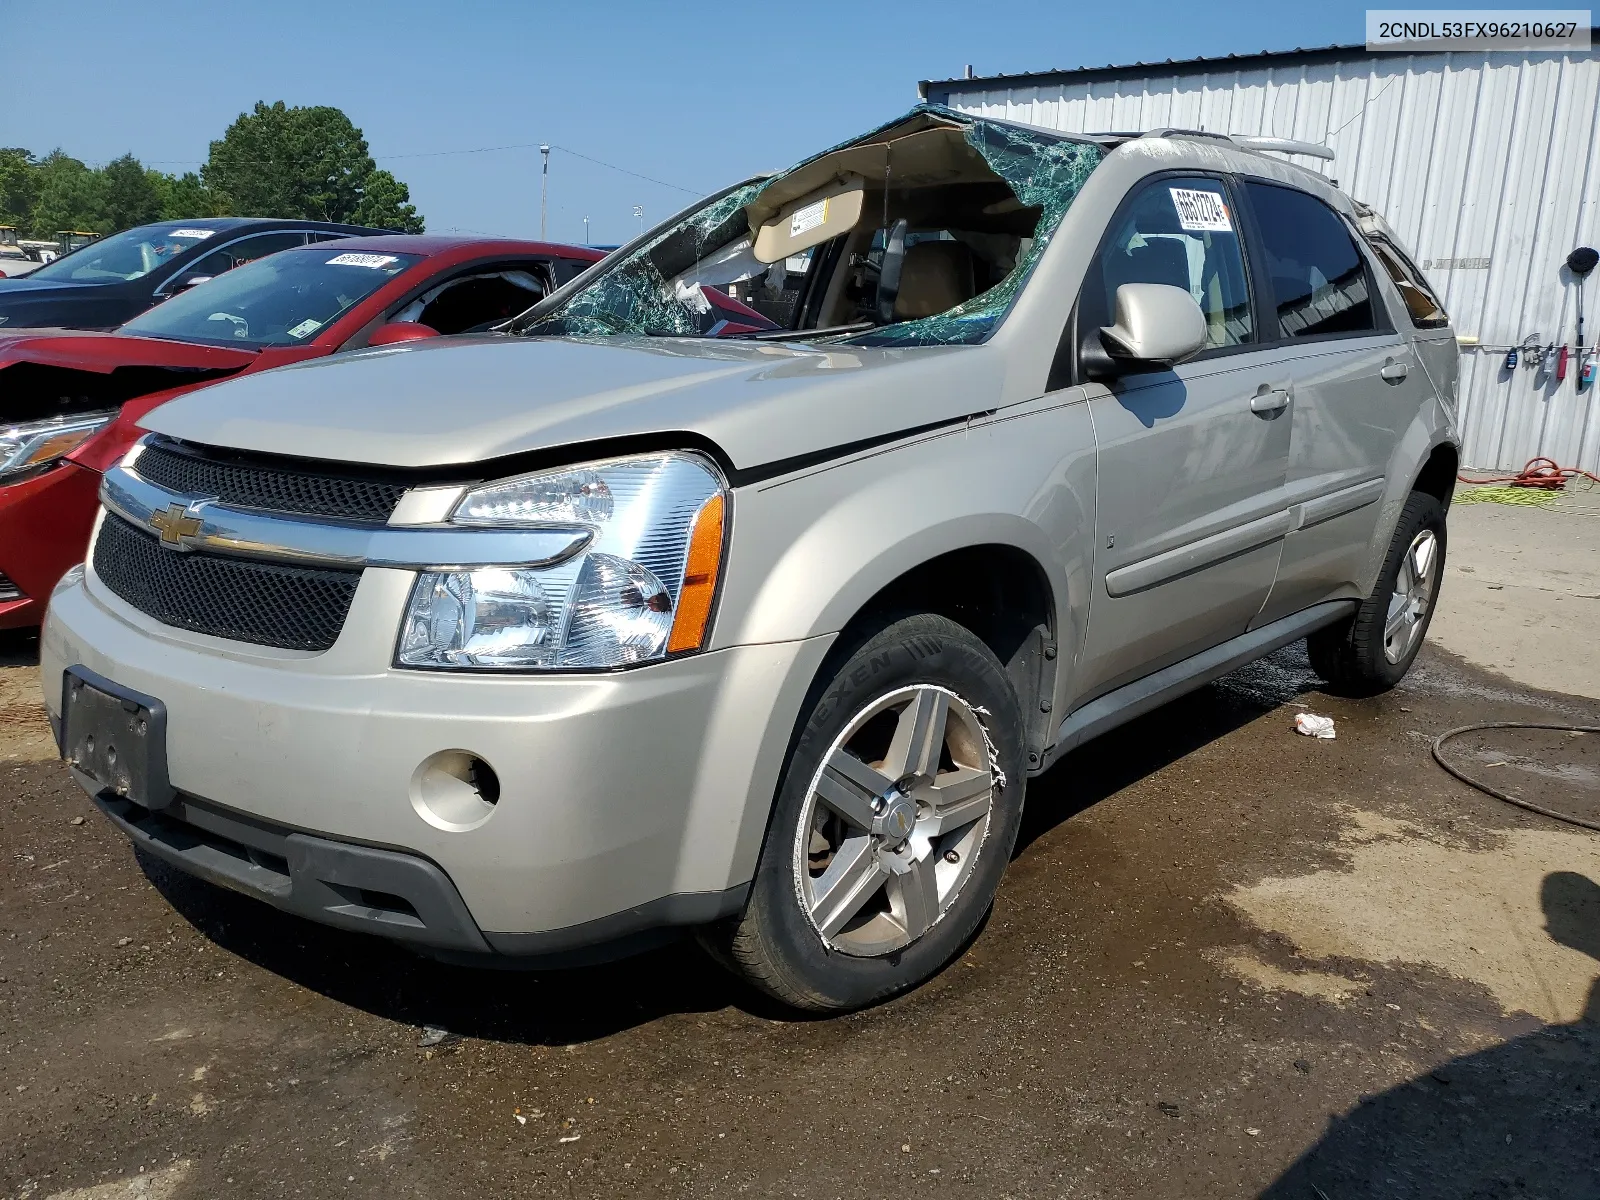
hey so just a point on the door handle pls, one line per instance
(1269, 401)
(1393, 372)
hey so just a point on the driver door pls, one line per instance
(1193, 461)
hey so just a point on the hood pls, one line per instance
(53, 372)
(105, 352)
(466, 400)
(25, 286)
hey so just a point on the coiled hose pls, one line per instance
(1438, 754)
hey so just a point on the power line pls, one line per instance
(160, 162)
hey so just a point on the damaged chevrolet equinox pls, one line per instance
(743, 583)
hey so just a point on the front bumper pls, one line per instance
(44, 527)
(627, 800)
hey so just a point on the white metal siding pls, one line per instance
(1469, 156)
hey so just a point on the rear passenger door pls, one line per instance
(1356, 388)
(1193, 460)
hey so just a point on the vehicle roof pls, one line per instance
(430, 244)
(231, 224)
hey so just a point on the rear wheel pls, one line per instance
(893, 823)
(1373, 651)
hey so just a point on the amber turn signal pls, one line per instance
(699, 578)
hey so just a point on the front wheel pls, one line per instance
(1373, 651)
(893, 823)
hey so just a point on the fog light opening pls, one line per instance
(454, 790)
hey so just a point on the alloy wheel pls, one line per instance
(1414, 586)
(894, 820)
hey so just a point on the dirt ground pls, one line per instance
(1227, 961)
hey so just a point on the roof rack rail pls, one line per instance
(1283, 146)
(1250, 142)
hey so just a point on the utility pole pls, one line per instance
(544, 190)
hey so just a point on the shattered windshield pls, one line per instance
(921, 232)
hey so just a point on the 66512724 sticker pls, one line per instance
(1201, 212)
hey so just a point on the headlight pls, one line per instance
(35, 443)
(641, 589)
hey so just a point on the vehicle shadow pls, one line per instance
(531, 1007)
(1521, 1119)
(560, 1007)
(19, 647)
(1120, 758)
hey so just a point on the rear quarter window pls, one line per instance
(1422, 304)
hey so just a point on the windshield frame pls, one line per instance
(200, 293)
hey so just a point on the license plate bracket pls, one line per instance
(115, 738)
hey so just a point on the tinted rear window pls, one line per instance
(1318, 276)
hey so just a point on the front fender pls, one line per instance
(810, 551)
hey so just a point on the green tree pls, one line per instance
(277, 161)
(386, 204)
(17, 186)
(184, 196)
(128, 195)
(67, 195)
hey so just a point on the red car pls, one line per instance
(70, 401)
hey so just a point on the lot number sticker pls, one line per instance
(1200, 212)
(376, 261)
(201, 234)
(305, 328)
(809, 217)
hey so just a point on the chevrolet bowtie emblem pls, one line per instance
(175, 525)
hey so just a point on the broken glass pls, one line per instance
(634, 296)
(1044, 171)
(659, 288)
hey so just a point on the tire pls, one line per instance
(843, 912)
(1372, 651)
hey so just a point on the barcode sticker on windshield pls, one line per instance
(306, 328)
(1201, 212)
(808, 217)
(362, 260)
(202, 234)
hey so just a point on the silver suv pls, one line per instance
(743, 582)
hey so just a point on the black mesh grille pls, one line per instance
(296, 608)
(8, 590)
(270, 485)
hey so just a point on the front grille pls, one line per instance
(8, 590)
(294, 608)
(269, 484)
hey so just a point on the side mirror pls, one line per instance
(1156, 324)
(402, 331)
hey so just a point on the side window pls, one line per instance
(245, 250)
(1319, 279)
(568, 269)
(470, 302)
(1178, 232)
(1421, 303)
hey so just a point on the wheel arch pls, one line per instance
(1437, 476)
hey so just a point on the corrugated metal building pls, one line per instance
(1485, 163)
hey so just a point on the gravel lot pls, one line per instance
(1228, 960)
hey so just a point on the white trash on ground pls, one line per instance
(1314, 726)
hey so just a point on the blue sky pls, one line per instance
(691, 95)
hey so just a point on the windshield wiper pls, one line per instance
(800, 335)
